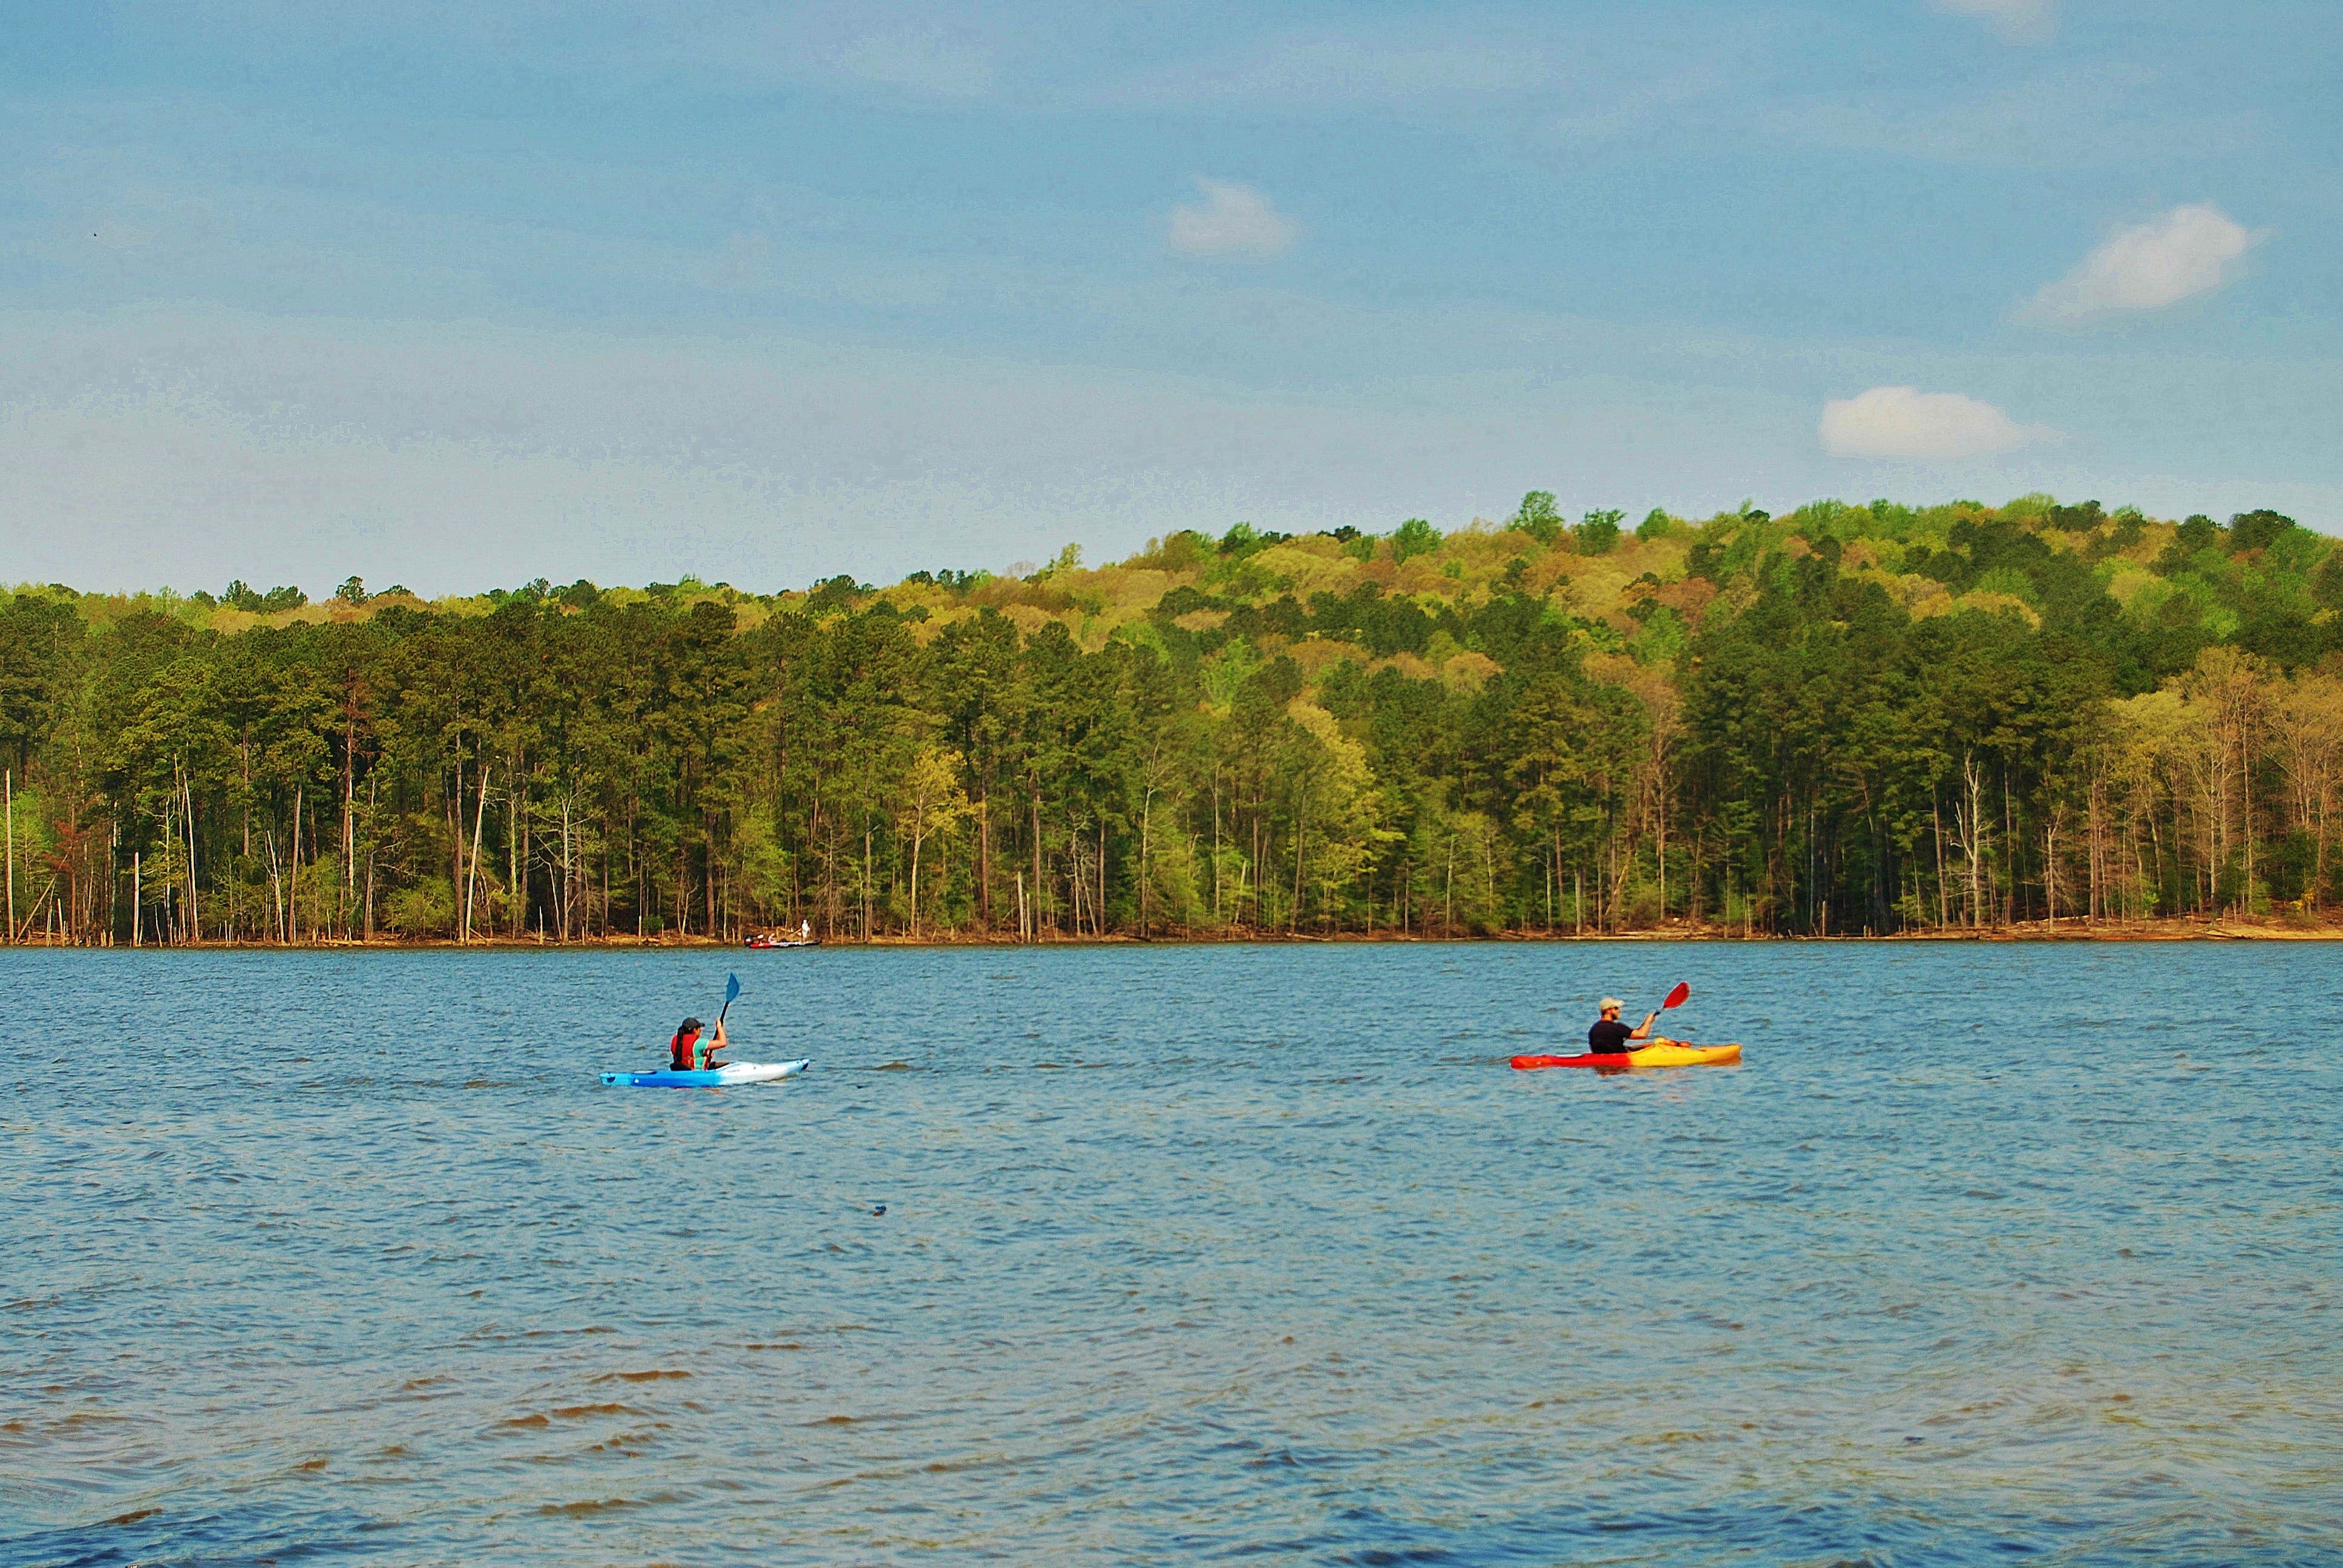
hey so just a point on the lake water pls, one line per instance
(1189, 1253)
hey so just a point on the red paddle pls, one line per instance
(1677, 997)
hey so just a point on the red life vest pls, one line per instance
(680, 1050)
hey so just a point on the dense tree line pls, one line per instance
(1849, 719)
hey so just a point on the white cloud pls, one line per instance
(1904, 422)
(1232, 220)
(2019, 21)
(2189, 250)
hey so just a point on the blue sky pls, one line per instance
(461, 294)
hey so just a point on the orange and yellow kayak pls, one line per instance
(1659, 1054)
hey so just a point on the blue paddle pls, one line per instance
(731, 995)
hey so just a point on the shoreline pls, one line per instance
(2183, 930)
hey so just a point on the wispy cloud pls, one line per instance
(1318, 70)
(1597, 115)
(1235, 221)
(2019, 21)
(2096, 114)
(745, 265)
(1552, 77)
(913, 49)
(918, 57)
(2188, 251)
(1904, 422)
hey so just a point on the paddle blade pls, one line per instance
(1677, 997)
(731, 988)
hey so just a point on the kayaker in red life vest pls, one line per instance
(1609, 1036)
(686, 1054)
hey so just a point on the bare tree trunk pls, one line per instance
(2050, 870)
(1937, 816)
(479, 830)
(293, 874)
(1448, 895)
(1972, 838)
(349, 792)
(1661, 837)
(371, 797)
(516, 915)
(194, 912)
(456, 832)
(1300, 831)
(1146, 822)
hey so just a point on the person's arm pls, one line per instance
(1644, 1029)
(718, 1042)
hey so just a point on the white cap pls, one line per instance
(1609, 1002)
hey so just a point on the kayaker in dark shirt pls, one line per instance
(1609, 1036)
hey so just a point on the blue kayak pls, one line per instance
(714, 1077)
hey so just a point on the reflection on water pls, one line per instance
(1187, 1253)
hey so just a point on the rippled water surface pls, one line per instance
(1187, 1253)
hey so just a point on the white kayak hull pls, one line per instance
(725, 1076)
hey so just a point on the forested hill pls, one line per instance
(1847, 719)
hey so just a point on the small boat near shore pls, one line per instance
(765, 942)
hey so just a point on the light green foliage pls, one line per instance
(2008, 580)
(1889, 519)
(1661, 638)
(1226, 672)
(1177, 552)
(768, 869)
(1240, 536)
(425, 910)
(1414, 536)
(1538, 519)
(1597, 533)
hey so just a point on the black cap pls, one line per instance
(687, 1026)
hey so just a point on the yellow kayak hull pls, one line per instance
(1659, 1054)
